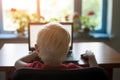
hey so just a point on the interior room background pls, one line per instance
(112, 23)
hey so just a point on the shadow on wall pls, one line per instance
(2, 75)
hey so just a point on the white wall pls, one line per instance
(2, 75)
(114, 29)
(114, 23)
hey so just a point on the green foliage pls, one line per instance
(87, 22)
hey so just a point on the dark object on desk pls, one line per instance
(73, 74)
(84, 56)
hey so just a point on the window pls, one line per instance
(22, 8)
(57, 9)
(99, 8)
(49, 10)
(14, 11)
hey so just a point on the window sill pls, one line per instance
(12, 36)
(100, 35)
(92, 36)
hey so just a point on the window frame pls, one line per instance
(1, 22)
(103, 19)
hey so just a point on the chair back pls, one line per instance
(69, 74)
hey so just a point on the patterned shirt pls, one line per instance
(39, 65)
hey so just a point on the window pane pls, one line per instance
(49, 9)
(93, 5)
(58, 9)
(21, 7)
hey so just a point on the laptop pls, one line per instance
(34, 28)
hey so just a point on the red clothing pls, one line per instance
(39, 65)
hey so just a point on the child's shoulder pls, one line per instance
(34, 64)
(72, 65)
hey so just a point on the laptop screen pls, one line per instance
(34, 28)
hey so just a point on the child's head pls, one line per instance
(53, 43)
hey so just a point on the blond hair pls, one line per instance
(53, 41)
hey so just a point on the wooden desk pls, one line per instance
(9, 53)
(105, 56)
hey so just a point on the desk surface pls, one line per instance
(105, 55)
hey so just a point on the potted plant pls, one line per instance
(88, 22)
(21, 18)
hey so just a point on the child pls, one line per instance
(52, 46)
